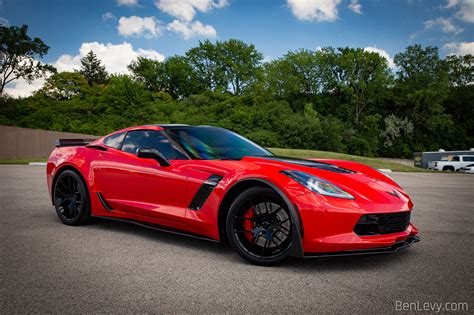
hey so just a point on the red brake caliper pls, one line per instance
(248, 224)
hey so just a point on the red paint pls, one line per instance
(140, 189)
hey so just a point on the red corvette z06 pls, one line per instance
(212, 183)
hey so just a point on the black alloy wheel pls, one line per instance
(259, 226)
(71, 198)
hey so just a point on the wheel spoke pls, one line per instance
(273, 240)
(280, 223)
(263, 248)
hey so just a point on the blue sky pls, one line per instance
(121, 30)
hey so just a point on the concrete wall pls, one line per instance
(25, 143)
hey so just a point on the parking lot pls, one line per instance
(116, 267)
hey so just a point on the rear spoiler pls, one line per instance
(73, 142)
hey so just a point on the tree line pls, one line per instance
(337, 99)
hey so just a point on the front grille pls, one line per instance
(386, 223)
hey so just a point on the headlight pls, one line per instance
(318, 185)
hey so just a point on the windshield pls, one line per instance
(212, 143)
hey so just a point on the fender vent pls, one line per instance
(204, 192)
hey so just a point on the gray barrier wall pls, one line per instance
(25, 143)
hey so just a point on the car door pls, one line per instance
(467, 160)
(141, 187)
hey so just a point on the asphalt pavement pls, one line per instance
(109, 267)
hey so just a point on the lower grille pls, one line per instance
(386, 223)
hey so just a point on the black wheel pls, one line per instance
(448, 169)
(71, 198)
(259, 226)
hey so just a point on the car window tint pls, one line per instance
(149, 139)
(114, 141)
(455, 159)
(468, 158)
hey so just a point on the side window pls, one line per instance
(114, 141)
(149, 139)
(455, 158)
(468, 159)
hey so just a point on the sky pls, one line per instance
(119, 31)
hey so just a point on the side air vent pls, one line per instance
(204, 192)
(104, 203)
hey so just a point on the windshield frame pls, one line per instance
(170, 132)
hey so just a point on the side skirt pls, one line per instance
(160, 228)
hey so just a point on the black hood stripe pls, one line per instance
(309, 163)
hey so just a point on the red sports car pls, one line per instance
(214, 184)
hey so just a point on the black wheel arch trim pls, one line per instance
(297, 231)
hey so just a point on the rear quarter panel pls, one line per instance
(79, 158)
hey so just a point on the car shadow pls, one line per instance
(226, 253)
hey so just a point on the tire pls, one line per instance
(259, 226)
(71, 199)
(448, 169)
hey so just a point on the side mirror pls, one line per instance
(153, 154)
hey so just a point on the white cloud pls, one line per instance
(4, 22)
(446, 25)
(191, 29)
(127, 3)
(185, 10)
(465, 9)
(21, 88)
(355, 6)
(116, 58)
(108, 16)
(460, 49)
(382, 53)
(139, 26)
(314, 10)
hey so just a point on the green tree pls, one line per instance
(92, 69)
(421, 87)
(225, 65)
(18, 54)
(296, 73)
(207, 64)
(180, 78)
(150, 72)
(65, 85)
(359, 76)
(240, 62)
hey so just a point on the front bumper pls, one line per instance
(328, 227)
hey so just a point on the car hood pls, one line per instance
(327, 171)
(371, 189)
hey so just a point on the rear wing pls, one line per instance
(73, 142)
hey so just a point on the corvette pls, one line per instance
(212, 183)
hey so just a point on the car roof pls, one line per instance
(159, 127)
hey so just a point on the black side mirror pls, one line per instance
(153, 154)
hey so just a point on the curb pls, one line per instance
(37, 163)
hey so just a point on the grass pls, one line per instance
(373, 162)
(20, 161)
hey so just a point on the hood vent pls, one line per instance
(309, 163)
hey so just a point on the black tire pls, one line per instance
(259, 226)
(448, 168)
(71, 198)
